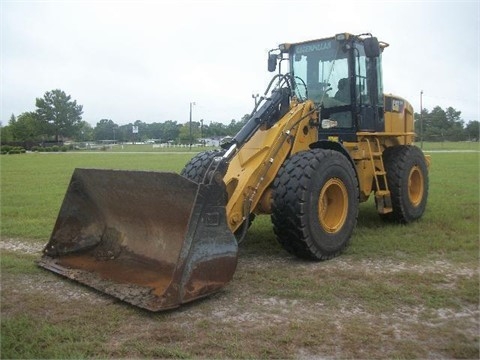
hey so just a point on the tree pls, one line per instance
(189, 133)
(155, 131)
(60, 116)
(6, 131)
(26, 127)
(440, 125)
(472, 130)
(124, 133)
(85, 133)
(455, 130)
(234, 126)
(171, 130)
(215, 129)
(105, 130)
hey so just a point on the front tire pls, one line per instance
(197, 167)
(315, 204)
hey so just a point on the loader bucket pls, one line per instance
(155, 240)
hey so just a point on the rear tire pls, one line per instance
(315, 204)
(407, 177)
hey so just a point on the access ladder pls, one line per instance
(383, 198)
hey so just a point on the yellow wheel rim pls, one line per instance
(333, 205)
(415, 185)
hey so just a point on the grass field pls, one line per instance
(399, 291)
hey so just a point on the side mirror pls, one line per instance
(272, 62)
(372, 47)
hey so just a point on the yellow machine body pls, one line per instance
(252, 171)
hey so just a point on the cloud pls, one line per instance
(149, 59)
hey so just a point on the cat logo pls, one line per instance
(397, 105)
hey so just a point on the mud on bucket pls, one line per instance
(156, 240)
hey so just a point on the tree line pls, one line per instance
(168, 131)
(58, 117)
(445, 125)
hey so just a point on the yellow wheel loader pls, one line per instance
(322, 139)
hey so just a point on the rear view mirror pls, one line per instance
(272, 62)
(372, 47)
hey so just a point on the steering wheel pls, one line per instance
(299, 83)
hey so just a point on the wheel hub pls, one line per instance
(333, 205)
(415, 186)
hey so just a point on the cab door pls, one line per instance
(369, 92)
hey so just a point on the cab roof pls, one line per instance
(284, 47)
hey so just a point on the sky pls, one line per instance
(148, 60)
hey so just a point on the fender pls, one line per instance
(334, 145)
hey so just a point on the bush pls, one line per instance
(11, 150)
(6, 148)
(54, 148)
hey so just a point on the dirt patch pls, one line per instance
(31, 248)
(24, 291)
(52, 286)
(252, 317)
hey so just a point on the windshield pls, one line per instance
(323, 67)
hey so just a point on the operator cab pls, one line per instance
(343, 76)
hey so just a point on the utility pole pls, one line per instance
(191, 138)
(421, 120)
